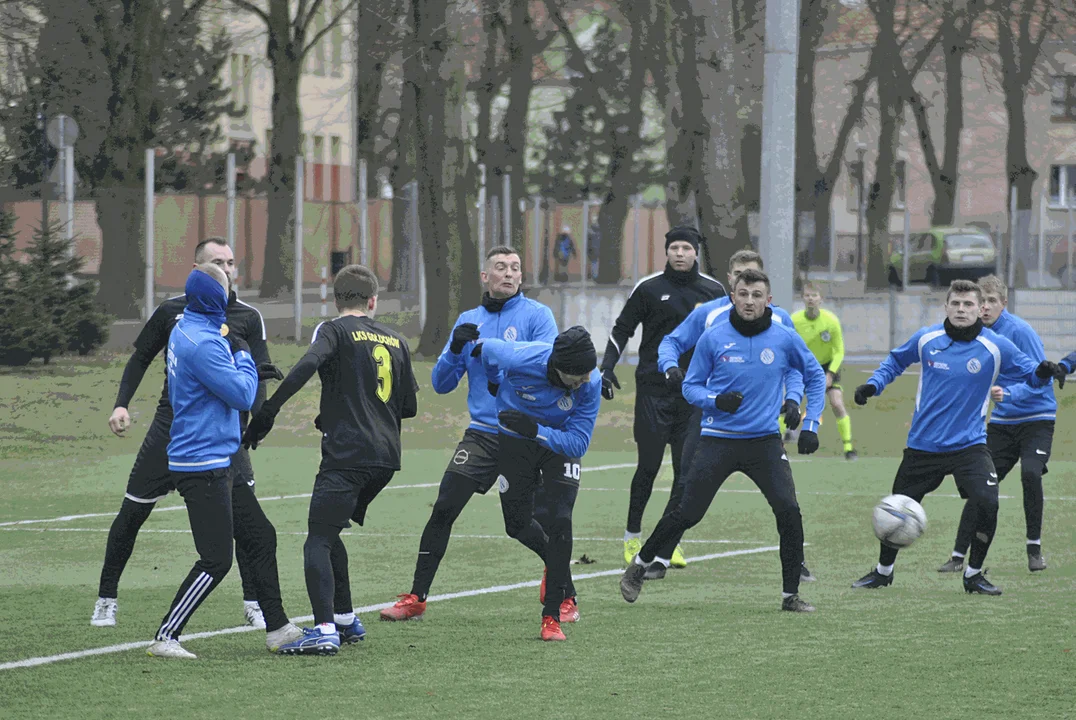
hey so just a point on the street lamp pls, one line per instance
(861, 150)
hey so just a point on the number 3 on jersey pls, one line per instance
(384, 372)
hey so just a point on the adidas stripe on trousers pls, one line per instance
(208, 496)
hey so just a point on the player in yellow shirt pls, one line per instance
(821, 330)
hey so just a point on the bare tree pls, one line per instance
(289, 41)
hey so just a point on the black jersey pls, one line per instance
(242, 319)
(660, 302)
(367, 388)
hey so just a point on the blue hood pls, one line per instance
(206, 297)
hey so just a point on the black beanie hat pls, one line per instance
(573, 352)
(685, 233)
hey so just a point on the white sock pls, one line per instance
(1034, 542)
(639, 561)
(786, 596)
(663, 561)
(958, 554)
(251, 604)
(969, 571)
(632, 536)
(327, 628)
(886, 570)
(344, 618)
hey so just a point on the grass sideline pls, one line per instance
(708, 639)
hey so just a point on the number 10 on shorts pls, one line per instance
(571, 470)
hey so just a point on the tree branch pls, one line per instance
(577, 59)
(252, 8)
(333, 22)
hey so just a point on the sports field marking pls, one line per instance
(270, 498)
(502, 536)
(111, 649)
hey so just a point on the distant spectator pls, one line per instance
(594, 241)
(563, 251)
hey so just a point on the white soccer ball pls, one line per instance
(899, 521)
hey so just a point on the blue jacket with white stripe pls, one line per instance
(519, 319)
(565, 419)
(687, 335)
(726, 361)
(954, 386)
(207, 385)
(1022, 402)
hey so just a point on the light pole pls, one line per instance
(861, 150)
(42, 125)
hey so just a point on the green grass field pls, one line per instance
(708, 641)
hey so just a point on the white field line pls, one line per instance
(455, 536)
(269, 498)
(110, 649)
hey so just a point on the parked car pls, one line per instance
(943, 254)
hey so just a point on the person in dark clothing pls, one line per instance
(367, 388)
(150, 479)
(563, 252)
(660, 303)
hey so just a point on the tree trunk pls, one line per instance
(520, 44)
(429, 18)
(1022, 177)
(682, 103)
(285, 57)
(611, 219)
(120, 213)
(945, 182)
(809, 184)
(723, 220)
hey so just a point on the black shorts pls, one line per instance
(525, 461)
(836, 378)
(342, 495)
(922, 472)
(660, 419)
(475, 458)
(150, 478)
(241, 469)
(1029, 443)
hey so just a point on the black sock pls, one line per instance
(342, 604)
(120, 545)
(453, 495)
(317, 563)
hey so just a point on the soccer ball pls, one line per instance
(899, 521)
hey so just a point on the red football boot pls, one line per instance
(408, 607)
(569, 611)
(551, 629)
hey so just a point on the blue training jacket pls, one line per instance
(207, 385)
(726, 361)
(1022, 402)
(521, 319)
(954, 386)
(686, 336)
(565, 419)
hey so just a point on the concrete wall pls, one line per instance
(865, 320)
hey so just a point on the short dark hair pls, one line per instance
(964, 286)
(503, 250)
(199, 249)
(750, 277)
(742, 257)
(354, 286)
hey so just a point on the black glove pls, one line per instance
(269, 371)
(317, 421)
(863, 392)
(792, 414)
(237, 344)
(259, 427)
(1051, 369)
(477, 351)
(808, 442)
(463, 334)
(728, 402)
(609, 381)
(493, 388)
(674, 378)
(518, 423)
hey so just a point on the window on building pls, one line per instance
(334, 149)
(334, 171)
(241, 84)
(1063, 98)
(855, 172)
(899, 185)
(1062, 186)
